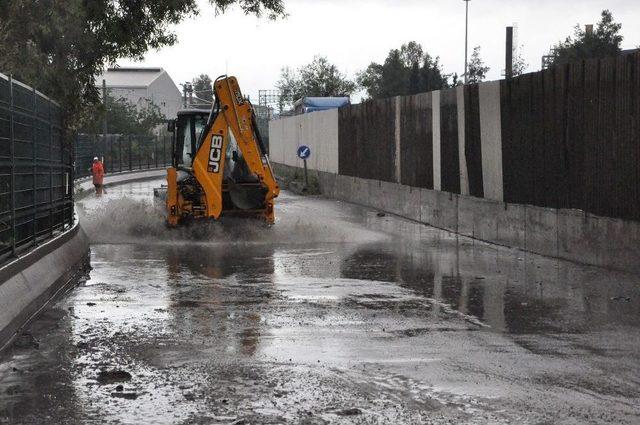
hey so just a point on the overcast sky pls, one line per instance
(352, 33)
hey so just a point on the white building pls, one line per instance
(142, 86)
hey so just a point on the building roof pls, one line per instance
(129, 77)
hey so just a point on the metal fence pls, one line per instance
(121, 152)
(36, 173)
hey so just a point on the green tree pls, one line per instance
(289, 86)
(203, 87)
(318, 78)
(455, 80)
(432, 76)
(477, 71)
(604, 41)
(408, 70)
(60, 46)
(415, 80)
(411, 53)
(122, 118)
(394, 75)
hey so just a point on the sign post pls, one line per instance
(304, 152)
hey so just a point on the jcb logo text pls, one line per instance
(215, 154)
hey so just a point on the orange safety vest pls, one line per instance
(98, 172)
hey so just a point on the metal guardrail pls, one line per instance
(36, 172)
(121, 152)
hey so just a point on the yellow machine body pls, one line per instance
(209, 196)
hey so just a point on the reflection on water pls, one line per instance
(215, 280)
(510, 291)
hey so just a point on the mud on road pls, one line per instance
(334, 315)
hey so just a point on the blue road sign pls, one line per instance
(304, 152)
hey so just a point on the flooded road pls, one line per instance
(336, 315)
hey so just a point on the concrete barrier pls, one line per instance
(439, 209)
(541, 231)
(567, 234)
(511, 225)
(28, 283)
(31, 281)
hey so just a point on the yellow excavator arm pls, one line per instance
(231, 113)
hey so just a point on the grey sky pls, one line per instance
(352, 33)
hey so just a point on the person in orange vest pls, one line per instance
(97, 170)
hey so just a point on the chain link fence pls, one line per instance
(36, 172)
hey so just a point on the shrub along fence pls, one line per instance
(36, 172)
(567, 137)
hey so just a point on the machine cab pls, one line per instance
(187, 129)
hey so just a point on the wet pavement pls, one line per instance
(334, 315)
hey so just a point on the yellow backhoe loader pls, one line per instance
(220, 166)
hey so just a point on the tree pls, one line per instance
(203, 87)
(455, 80)
(477, 71)
(123, 118)
(289, 86)
(60, 46)
(432, 75)
(411, 53)
(604, 41)
(394, 75)
(520, 65)
(319, 78)
(415, 80)
(405, 71)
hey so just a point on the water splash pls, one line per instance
(126, 217)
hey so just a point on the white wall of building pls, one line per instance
(164, 93)
(134, 95)
(141, 87)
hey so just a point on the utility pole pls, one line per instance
(104, 115)
(508, 70)
(187, 94)
(466, 43)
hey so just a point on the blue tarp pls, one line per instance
(312, 104)
(325, 102)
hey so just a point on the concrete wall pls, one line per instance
(318, 130)
(437, 171)
(464, 177)
(491, 139)
(29, 282)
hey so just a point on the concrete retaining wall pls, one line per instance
(567, 234)
(31, 281)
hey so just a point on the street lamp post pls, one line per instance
(466, 43)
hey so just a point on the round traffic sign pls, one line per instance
(304, 152)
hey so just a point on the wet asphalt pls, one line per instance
(335, 315)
